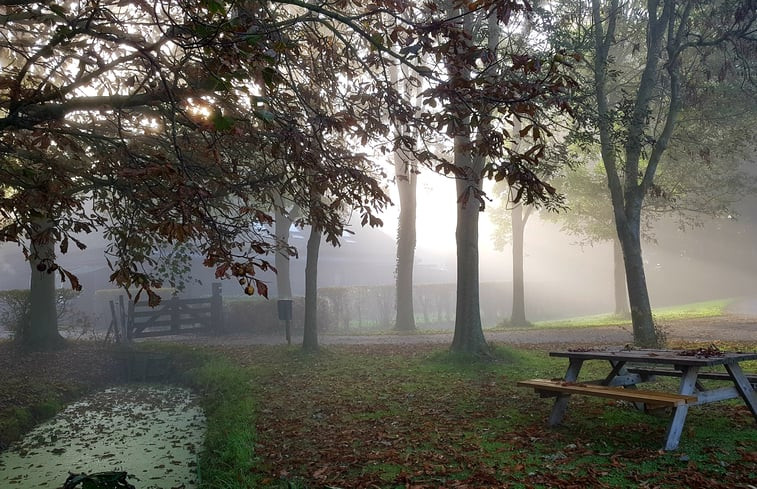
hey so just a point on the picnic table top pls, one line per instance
(667, 357)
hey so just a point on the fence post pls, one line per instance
(124, 318)
(115, 324)
(216, 308)
(130, 320)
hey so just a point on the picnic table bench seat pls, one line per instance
(629, 367)
(647, 373)
(649, 397)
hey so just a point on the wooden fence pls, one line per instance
(172, 316)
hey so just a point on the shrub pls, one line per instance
(254, 314)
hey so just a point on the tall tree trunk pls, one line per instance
(519, 219)
(619, 279)
(406, 240)
(310, 334)
(644, 331)
(627, 180)
(469, 334)
(406, 173)
(282, 260)
(41, 332)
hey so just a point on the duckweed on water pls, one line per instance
(151, 432)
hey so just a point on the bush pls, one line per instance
(258, 315)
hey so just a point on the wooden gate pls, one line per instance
(176, 316)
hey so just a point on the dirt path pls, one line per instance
(728, 328)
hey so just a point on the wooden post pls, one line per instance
(561, 402)
(688, 386)
(130, 322)
(114, 324)
(124, 318)
(216, 309)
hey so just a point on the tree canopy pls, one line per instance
(184, 123)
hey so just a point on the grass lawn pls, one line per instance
(695, 310)
(389, 416)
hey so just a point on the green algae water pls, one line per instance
(152, 432)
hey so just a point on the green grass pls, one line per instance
(228, 459)
(390, 416)
(694, 310)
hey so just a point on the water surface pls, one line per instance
(151, 432)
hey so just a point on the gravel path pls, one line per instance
(728, 328)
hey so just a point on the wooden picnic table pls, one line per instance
(629, 367)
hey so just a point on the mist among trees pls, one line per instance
(209, 130)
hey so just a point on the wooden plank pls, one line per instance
(675, 428)
(744, 387)
(561, 403)
(666, 357)
(666, 372)
(167, 332)
(633, 395)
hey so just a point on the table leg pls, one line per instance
(744, 387)
(618, 368)
(561, 403)
(688, 386)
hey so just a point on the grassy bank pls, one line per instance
(228, 459)
(398, 416)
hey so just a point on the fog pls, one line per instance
(563, 278)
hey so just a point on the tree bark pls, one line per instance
(469, 335)
(406, 174)
(406, 241)
(644, 331)
(519, 219)
(310, 334)
(41, 332)
(619, 279)
(282, 260)
(628, 184)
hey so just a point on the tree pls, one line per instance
(148, 123)
(407, 181)
(589, 217)
(310, 333)
(283, 220)
(157, 150)
(486, 91)
(635, 126)
(510, 223)
(406, 177)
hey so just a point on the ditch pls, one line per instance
(152, 432)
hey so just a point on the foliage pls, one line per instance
(643, 72)
(173, 149)
(202, 115)
(368, 308)
(256, 315)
